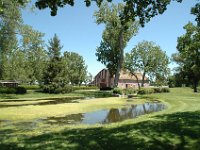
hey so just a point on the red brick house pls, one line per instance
(103, 80)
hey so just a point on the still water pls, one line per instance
(107, 116)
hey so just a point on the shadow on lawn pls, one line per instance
(172, 132)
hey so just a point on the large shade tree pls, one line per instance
(149, 59)
(74, 67)
(188, 55)
(115, 37)
(32, 44)
(10, 22)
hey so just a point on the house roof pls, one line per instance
(128, 75)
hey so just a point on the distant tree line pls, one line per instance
(23, 56)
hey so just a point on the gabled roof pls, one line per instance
(128, 75)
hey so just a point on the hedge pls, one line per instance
(153, 90)
(8, 90)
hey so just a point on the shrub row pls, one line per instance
(117, 91)
(30, 87)
(141, 90)
(8, 90)
(154, 90)
(129, 91)
(85, 87)
(57, 89)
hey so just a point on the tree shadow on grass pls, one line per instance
(172, 132)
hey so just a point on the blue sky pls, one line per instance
(78, 32)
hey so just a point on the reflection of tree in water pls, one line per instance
(68, 119)
(115, 115)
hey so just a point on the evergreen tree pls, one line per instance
(54, 66)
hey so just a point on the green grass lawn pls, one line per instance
(177, 127)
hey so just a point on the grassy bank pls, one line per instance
(174, 128)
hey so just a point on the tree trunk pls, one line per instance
(143, 76)
(195, 86)
(121, 59)
(136, 80)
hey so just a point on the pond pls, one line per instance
(47, 101)
(107, 116)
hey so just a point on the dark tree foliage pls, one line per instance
(196, 11)
(143, 10)
(107, 56)
(5, 5)
(188, 56)
(54, 66)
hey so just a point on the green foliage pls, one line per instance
(196, 11)
(74, 68)
(188, 54)
(129, 91)
(115, 37)
(117, 91)
(147, 57)
(85, 87)
(57, 89)
(30, 87)
(20, 90)
(8, 90)
(145, 91)
(134, 9)
(165, 90)
(152, 90)
(53, 74)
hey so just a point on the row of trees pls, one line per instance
(23, 55)
(63, 70)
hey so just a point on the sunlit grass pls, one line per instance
(176, 127)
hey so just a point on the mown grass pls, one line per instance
(34, 94)
(174, 128)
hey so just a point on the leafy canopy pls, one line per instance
(188, 56)
(149, 59)
(143, 10)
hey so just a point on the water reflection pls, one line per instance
(107, 116)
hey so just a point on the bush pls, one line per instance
(30, 87)
(20, 90)
(165, 90)
(157, 89)
(48, 88)
(161, 90)
(67, 89)
(85, 87)
(53, 88)
(9, 90)
(145, 91)
(129, 91)
(117, 91)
